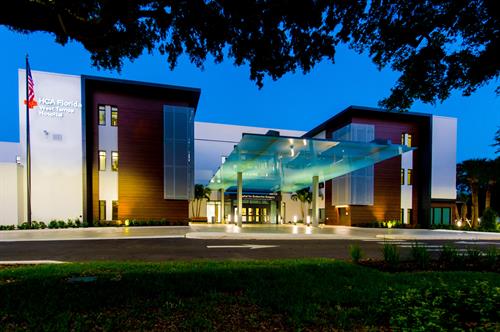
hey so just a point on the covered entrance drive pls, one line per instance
(278, 164)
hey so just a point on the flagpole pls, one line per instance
(28, 148)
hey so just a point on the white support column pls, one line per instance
(315, 210)
(239, 198)
(222, 218)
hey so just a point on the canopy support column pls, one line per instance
(315, 210)
(239, 197)
(222, 214)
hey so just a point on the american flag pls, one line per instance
(31, 87)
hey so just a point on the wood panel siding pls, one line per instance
(140, 147)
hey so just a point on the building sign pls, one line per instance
(58, 108)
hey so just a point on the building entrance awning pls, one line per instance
(277, 163)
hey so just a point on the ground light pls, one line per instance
(308, 220)
(294, 220)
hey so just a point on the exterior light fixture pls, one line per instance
(308, 220)
(294, 219)
(127, 222)
(305, 141)
(459, 223)
(292, 151)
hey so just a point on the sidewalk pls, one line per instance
(247, 232)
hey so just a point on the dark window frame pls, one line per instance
(102, 209)
(402, 176)
(114, 121)
(114, 210)
(409, 177)
(101, 108)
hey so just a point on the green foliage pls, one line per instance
(441, 309)
(437, 46)
(356, 252)
(489, 220)
(391, 254)
(7, 227)
(449, 256)
(282, 295)
(420, 255)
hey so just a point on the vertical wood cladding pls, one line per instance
(387, 178)
(140, 147)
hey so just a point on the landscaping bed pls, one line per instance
(311, 295)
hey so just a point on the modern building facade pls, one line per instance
(107, 149)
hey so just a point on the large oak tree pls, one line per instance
(436, 45)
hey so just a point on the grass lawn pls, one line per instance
(313, 294)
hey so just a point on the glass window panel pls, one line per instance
(402, 176)
(409, 140)
(102, 210)
(115, 210)
(446, 216)
(437, 216)
(102, 160)
(410, 178)
(114, 161)
(114, 116)
(102, 116)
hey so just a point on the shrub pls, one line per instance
(420, 254)
(449, 256)
(491, 255)
(355, 252)
(391, 254)
(42, 225)
(7, 227)
(489, 220)
(61, 224)
(53, 224)
(473, 254)
(70, 223)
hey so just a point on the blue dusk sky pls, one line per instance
(296, 101)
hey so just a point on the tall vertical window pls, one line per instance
(115, 210)
(102, 160)
(408, 143)
(410, 216)
(410, 178)
(402, 216)
(114, 161)
(114, 116)
(102, 210)
(403, 139)
(402, 176)
(102, 115)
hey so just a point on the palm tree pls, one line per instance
(200, 193)
(472, 172)
(304, 196)
(462, 197)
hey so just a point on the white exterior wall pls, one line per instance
(444, 157)
(108, 179)
(56, 145)
(406, 189)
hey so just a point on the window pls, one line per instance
(408, 143)
(409, 220)
(441, 216)
(403, 139)
(102, 115)
(102, 160)
(102, 210)
(402, 216)
(410, 179)
(115, 210)
(114, 116)
(114, 161)
(402, 176)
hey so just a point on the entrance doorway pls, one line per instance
(255, 213)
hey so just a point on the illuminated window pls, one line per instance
(102, 160)
(114, 161)
(402, 176)
(102, 115)
(410, 179)
(102, 210)
(115, 210)
(114, 116)
(409, 140)
(403, 139)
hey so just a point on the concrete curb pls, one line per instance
(265, 236)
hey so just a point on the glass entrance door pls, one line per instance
(252, 213)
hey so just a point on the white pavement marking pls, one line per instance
(249, 246)
(97, 238)
(477, 242)
(30, 262)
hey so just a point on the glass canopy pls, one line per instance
(279, 163)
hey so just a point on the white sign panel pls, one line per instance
(56, 145)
